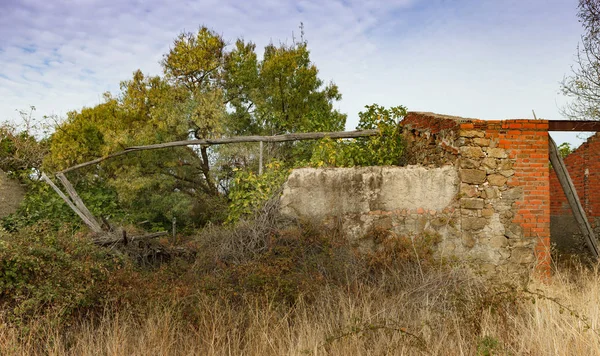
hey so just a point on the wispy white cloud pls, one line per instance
(488, 59)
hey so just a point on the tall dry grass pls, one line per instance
(439, 312)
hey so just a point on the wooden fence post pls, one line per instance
(260, 162)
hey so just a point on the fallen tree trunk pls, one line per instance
(90, 222)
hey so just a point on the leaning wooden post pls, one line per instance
(569, 188)
(93, 225)
(75, 197)
(260, 161)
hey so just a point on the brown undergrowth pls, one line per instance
(301, 289)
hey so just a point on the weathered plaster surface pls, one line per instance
(11, 195)
(313, 193)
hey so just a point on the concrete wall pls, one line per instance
(482, 187)
(406, 200)
(11, 195)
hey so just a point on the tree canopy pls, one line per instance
(583, 84)
(207, 90)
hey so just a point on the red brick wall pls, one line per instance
(586, 157)
(526, 141)
(521, 146)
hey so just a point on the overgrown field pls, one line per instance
(263, 289)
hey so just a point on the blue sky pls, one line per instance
(488, 59)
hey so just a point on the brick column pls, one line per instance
(527, 142)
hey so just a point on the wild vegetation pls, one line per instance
(272, 287)
(239, 278)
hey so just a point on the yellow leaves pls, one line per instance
(195, 59)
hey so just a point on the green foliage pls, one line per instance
(564, 149)
(290, 96)
(582, 85)
(44, 271)
(488, 346)
(383, 149)
(21, 153)
(250, 191)
(196, 59)
(208, 90)
(42, 204)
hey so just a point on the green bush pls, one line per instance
(44, 271)
(250, 191)
(384, 149)
(41, 203)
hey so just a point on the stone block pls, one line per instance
(522, 255)
(496, 153)
(489, 163)
(491, 192)
(473, 223)
(506, 164)
(472, 176)
(487, 213)
(468, 240)
(471, 133)
(513, 231)
(507, 173)
(482, 142)
(472, 152)
(471, 203)
(468, 190)
(498, 241)
(469, 163)
(496, 180)
(513, 194)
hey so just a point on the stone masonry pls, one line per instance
(498, 215)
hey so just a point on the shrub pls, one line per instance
(267, 255)
(383, 149)
(250, 191)
(44, 271)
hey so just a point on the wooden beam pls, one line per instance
(114, 238)
(569, 189)
(235, 139)
(93, 225)
(572, 125)
(76, 199)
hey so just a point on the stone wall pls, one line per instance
(407, 200)
(11, 195)
(482, 186)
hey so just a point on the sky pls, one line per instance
(487, 59)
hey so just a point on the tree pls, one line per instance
(151, 186)
(384, 149)
(583, 85)
(21, 153)
(207, 90)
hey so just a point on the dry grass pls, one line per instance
(443, 312)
